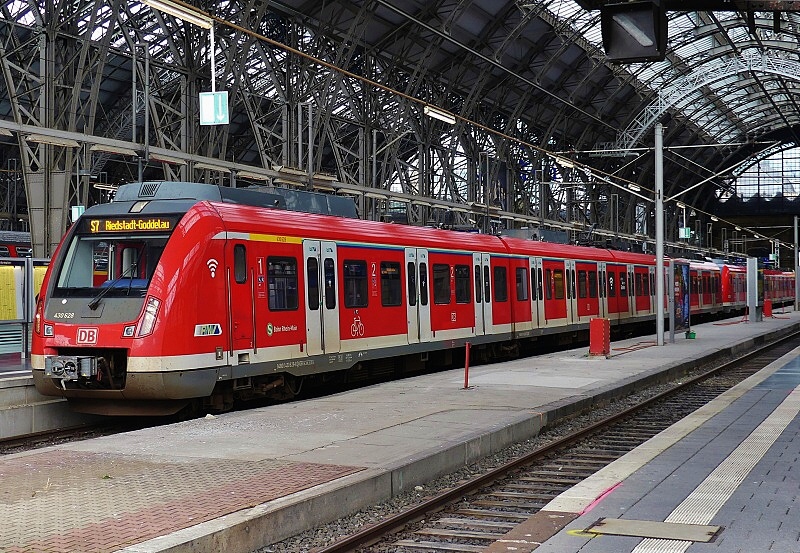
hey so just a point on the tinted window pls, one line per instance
(312, 278)
(487, 288)
(462, 284)
(355, 283)
(583, 283)
(558, 283)
(522, 283)
(239, 264)
(412, 283)
(441, 283)
(548, 283)
(478, 286)
(330, 283)
(282, 279)
(500, 284)
(391, 290)
(423, 284)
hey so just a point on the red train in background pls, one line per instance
(178, 294)
(15, 243)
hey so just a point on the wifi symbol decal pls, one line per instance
(212, 266)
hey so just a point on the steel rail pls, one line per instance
(380, 529)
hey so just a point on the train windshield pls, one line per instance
(118, 265)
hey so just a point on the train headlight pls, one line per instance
(150, 313)
(128, 331)
(48, 330)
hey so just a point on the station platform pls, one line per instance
(724, 479)
(242, 480)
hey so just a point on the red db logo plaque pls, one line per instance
(87, 336)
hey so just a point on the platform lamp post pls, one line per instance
(659, 167)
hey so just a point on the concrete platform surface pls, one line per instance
(724, 479)
(242, 480)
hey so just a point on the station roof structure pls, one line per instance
(485, 112)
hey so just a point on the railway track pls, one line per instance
(471, 516)
(35, 440)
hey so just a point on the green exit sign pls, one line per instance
(214, 108)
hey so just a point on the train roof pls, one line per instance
(177, 197)
(321, 227)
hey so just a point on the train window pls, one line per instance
(592, 284)
(522, 284)
(645, 285)
(500, 284)
(612, 289)
(441, 284)
(652, 284)
(534, 285)
(462, 284)
(548, 283)
(123, 263)
(412, 284)
(478, 285)
(355, 283)
(487, 287)
(623, 284)
(423, 284)
(312, 283)
(558, 284)
(282, 283)
(391, 290)
(583, 283)
(329, 270)
(539, 271)
(240, 263)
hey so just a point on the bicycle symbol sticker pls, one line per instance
(357, 328)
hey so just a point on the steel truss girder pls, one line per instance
(678, 94)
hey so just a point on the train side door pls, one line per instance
(483, 310)
(241, 299)
(322, 310)
(623, 303)
(602, 288)
(572, 302)
(477, 290)
(555, 296)
(537, 292)
(418, 309)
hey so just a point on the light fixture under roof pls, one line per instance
(52, 140)
(211, 167)
(440, 114)
(113, 150)
(251, 175)
(167, 159)
(181, 12)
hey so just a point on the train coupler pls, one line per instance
(70, 367)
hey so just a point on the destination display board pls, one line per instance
(114, 225)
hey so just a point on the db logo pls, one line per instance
(87, 336)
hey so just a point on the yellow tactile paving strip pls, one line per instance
(66, 501)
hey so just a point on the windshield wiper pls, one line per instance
(127, 273)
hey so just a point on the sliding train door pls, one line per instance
(322, 309)
(418, 309)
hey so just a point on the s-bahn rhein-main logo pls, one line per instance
(213, 329)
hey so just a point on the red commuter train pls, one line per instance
(207, 294)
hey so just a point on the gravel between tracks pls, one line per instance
(327, 534)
